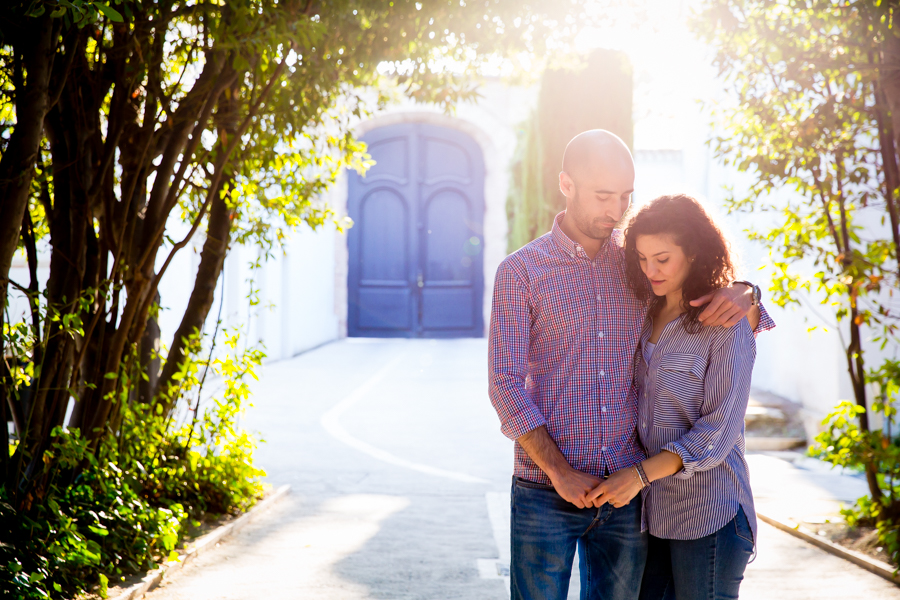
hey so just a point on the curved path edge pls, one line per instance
(882, 569)
(332, 424)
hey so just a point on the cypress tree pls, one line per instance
(595, 94)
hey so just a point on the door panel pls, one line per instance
(383, 229)
(385, 309)
(416, 245)
(391, 160)
(447, 309)
(445, 161)
(447, 244)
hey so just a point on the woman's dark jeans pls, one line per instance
(545, 531)
(710, 568)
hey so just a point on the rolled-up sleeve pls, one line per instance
(765, 321)
(508, 355)
(725, 396)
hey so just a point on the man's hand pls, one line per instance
(569, 483)
(574, 486)
(618, 489)
(727, 306)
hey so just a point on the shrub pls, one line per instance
(844, 443)
(130, 503)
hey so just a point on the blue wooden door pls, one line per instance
(416, 245)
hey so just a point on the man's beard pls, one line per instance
(598, 229)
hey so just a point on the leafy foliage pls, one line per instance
(845, 444)
(205, 463)
(812, 125)
(131, 503)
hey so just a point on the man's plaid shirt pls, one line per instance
(563, 333)
(564, 329)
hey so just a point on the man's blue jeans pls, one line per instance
(710, 568)
(545, 529)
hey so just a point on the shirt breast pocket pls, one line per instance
(679, 390)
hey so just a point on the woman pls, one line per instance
(693, 384)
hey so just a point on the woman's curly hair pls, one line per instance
(691, 228)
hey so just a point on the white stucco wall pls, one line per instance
(295, 289)
(296, 293)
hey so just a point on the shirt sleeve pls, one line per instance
(765, 321)
(508, 356)
(726, 391)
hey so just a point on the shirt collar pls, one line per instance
(561, 239)
(573, 249)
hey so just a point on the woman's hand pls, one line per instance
(618, 489)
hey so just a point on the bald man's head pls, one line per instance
(597, 180)
(594, 149)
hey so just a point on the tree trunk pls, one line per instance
(856, 367)
(889, 78)
(72, 127)
(4, 451)
(150, 361)
(73, 265)
(36, 46)
(887, 96)
(188, 122)
(218, 236)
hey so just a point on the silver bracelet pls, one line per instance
(643, 474)
(640, 477)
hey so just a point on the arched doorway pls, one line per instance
(416, 246)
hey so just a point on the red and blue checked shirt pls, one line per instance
(563, 333)
(564, 329)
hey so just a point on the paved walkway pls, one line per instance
(401, 489)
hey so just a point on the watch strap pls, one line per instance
(756, 292)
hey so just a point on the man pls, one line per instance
(564, 329)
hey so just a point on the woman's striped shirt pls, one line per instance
(692, 399)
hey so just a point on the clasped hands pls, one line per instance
(585, 491)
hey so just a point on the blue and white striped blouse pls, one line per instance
(693, 395)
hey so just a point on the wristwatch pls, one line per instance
(757, 293)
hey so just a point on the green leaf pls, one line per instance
(70, 5)
(111, 13)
